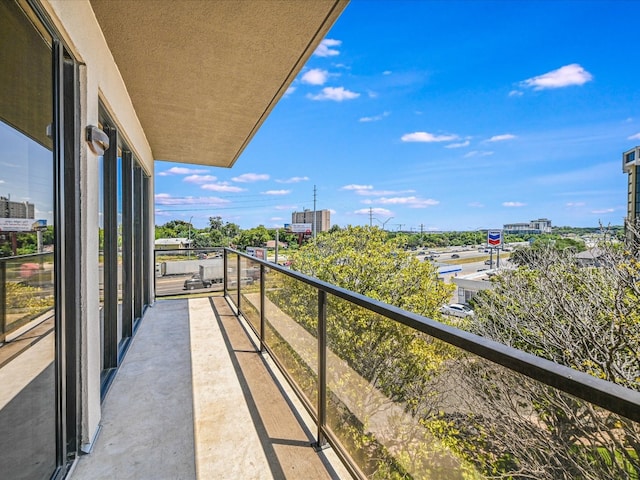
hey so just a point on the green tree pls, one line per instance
(584, 317)
(401, 363)
(254, 237)
(545, 246)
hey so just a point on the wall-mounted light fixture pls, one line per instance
(97, 140)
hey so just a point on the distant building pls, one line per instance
(322, 221)
(9, 209)
(172, 243)
(541, 225)
(470, 285)
(630, 162)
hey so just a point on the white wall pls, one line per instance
(99, 79)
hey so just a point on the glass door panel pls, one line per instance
(27, 320)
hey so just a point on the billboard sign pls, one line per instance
(257, 252)
(300, 227)
(21, 224)
(494, 238)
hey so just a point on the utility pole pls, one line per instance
(313, 224)
(189, 239)
(370, 217)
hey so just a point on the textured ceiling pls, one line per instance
(204, 74)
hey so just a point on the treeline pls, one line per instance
(223, 234)
(26, 242)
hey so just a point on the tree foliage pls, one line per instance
(366, 261)
(583, 317)
(402, 366)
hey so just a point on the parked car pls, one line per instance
(196, 282)
(455, 255)
(487, 262)
(457, 310)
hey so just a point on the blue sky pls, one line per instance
(441, 115)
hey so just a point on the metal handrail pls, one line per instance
(615, 398)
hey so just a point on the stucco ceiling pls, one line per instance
(204, 74)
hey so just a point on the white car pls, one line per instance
(457, 310)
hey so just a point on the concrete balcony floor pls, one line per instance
(195, 399)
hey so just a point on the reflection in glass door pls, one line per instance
(28, 425)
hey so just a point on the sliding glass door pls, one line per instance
(37, 388)
(123, 248)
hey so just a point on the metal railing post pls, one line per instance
(321, 442)
(224, 275)
(3, 301)
(238, 282)
(155, 274)
(262, 305)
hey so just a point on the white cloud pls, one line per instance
(276, 219)
(332, 211)
(458, 145)
(477, 153)
(566, 76)
(199, 178)
(475, 205)
(250, 177)
(354, 186)
(181, 171)
(375, 211)
(375, 118)
(325, 50)
(501, 138)
(413, 202)
(372, 94)
(168, 199)
(277, 192)
(516, 93)
(634, 137)
(603, 210)
(427, 137)
(289, 91)
(513, 204)
(293, 180)
(315, 76)
(222, 187)
(2, 181)
(387, 72)
(575, 204)
(382, 193)
(337, 94)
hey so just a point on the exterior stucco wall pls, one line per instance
(99, 80)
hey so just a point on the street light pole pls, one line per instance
(189, 238)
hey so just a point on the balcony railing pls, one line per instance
(26, 293)
(399, 395)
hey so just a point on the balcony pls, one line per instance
(202, 393)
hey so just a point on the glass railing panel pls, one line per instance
(232, 276)
(250, 291)
(28, 290)
(383, 379)
(509, 426)
(291, 323)
(188, 271)
(405, 405)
